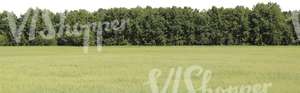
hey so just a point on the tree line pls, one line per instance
(264, 24)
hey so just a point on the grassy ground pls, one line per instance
(125, 69)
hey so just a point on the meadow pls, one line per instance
(125, 69)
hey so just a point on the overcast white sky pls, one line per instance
(20, 6)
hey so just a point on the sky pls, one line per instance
(20, 6)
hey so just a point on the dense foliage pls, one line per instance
(265, 24)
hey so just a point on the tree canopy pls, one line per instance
(265, 24)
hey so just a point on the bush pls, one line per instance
(3, 40)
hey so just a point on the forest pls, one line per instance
(264, 24)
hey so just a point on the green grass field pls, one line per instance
(126, 69)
